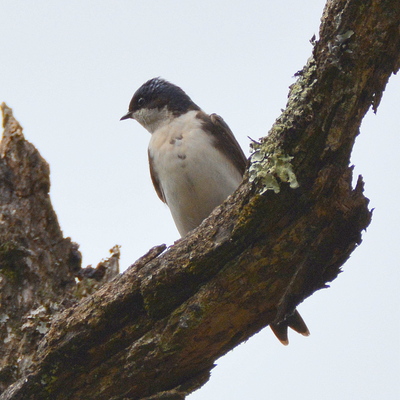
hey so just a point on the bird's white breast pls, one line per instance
(195, 177)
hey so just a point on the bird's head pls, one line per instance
(158, 101)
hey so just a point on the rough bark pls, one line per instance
(38, 265)
(155, 331)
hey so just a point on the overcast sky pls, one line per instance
(69, 69)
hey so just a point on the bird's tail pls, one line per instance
(293, 321)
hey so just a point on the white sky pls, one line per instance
(69, 69)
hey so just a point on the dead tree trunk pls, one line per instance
(156, 330)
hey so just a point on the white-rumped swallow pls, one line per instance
(195, 160)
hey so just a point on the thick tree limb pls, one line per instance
(156, 330)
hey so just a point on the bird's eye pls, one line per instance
(140, 102)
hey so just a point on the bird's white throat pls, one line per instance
(153, 118)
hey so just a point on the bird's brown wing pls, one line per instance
(155, 180)
(224, 140)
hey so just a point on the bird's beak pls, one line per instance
(127, 116)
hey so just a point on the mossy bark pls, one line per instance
(38, 265)
(156, 330)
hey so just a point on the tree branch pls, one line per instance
(156, 330)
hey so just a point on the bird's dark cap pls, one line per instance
(159, 93)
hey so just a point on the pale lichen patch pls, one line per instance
(267, 167)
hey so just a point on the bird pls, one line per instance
(195, 161)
